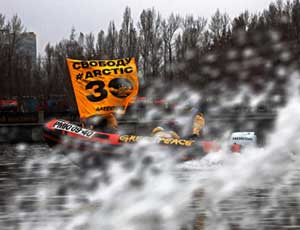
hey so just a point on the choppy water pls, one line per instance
(44, 189)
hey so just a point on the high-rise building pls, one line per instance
(26, 45)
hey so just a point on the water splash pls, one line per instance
(149, 189)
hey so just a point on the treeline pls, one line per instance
(16, 69)
(174, 50)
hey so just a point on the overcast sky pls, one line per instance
(52, 20)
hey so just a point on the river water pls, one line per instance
(43, 188)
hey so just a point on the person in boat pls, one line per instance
(105, 123)
(109, 123)
(162, 132)
(171, 130)
(198, 126)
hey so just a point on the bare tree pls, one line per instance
(100, 45)
(150, 43)
(3, 55)
(241, 23)
(168, 31)
(190, 44)
(220, 28)
(127, 43)
(14, 29)
(296, 19)
(75, 48)
(124, 33)
(90, 52)
(48, 67)
(111, 41)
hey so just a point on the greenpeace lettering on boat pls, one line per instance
(162, 140)
(133, 138)
(173, 141)
(103, 86)
(62, 125)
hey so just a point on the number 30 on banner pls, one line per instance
(118, 87)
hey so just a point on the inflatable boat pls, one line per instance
(72, 135)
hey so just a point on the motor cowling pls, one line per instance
(240, 140)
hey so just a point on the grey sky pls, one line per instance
(52, 20)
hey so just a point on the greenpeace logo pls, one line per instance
(162, 140)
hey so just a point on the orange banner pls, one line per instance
(103, 86)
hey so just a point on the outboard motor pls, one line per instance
(240, 140)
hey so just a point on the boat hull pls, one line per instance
(71, 135)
